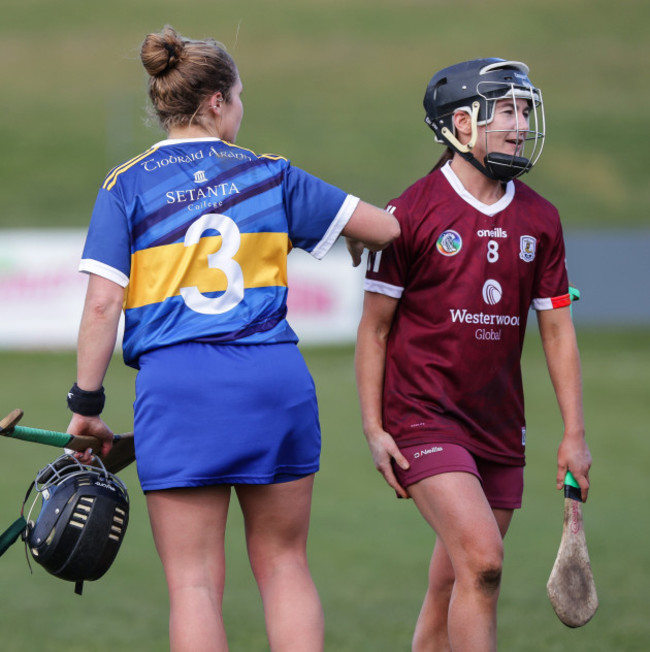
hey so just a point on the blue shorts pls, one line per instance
(503, 485)
(209, 414)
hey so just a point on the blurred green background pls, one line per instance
(337, 87)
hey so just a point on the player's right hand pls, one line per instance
(384, 450)
(93, 427)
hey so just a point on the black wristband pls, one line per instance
(88, 404)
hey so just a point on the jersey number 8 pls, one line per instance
(492, 251)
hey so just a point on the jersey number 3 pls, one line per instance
(222, 260)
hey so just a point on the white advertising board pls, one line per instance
(41, 292)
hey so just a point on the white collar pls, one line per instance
(488, 209)
(176, 141)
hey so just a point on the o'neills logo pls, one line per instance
(465, 317)
(427, 451)
(492, 233)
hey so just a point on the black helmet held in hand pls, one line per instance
(82, 520)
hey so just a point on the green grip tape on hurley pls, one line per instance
(572, 488)
(570, 480)
(40, 436)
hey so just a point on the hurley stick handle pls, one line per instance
(571, 487)
(54, 438)
(121, 454)
(8, 428)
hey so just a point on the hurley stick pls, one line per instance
(571, 588)
(121, 454)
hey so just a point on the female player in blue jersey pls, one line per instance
(190, 240)
(441, 335)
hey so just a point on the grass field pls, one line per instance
(336, 85)
(369, 551)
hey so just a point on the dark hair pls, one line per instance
(183, 73)
(447, 155)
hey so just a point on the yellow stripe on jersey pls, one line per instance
(111, 179)
(166, 269)
(272, 157)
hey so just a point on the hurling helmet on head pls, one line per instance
(474, 87)
(82, 520)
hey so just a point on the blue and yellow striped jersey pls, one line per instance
(198, 232)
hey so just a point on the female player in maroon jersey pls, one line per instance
(440, 340)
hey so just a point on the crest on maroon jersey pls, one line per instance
(527, 248)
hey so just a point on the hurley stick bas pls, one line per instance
(120, 456)
(571, 587)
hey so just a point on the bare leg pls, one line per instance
(188, 528)
(465, 570)
(431, 628)
(277, 523)
(431, 631)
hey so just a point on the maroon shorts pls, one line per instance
(503, 485)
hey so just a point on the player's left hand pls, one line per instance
(574, 455)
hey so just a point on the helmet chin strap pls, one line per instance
(499, 167)
(504, 167)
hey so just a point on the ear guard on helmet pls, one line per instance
(475, 87)
(83, 516)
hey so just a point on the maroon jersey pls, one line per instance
(466, 275)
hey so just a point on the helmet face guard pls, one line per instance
(82, 520)
(475, 87)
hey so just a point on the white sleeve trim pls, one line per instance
(348, 207)
(542, 304)
(551, 303)
(90, 266)
(383, 288)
